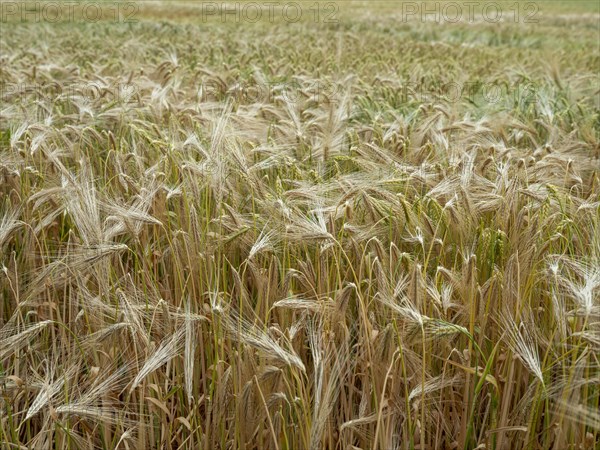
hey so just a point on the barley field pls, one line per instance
(332, 225)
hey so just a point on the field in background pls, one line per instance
(362, 229)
